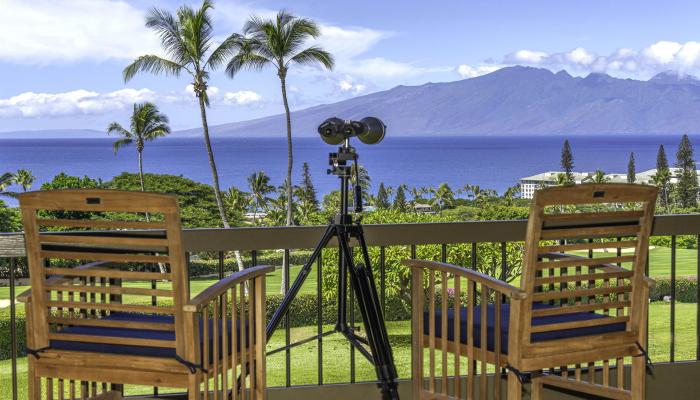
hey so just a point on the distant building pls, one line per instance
(424, 208)
(529, 184)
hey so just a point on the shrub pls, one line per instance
(5, 351)
(686, 289)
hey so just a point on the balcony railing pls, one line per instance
(410, 238)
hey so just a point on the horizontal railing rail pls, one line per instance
(305, 237)
(255, 240)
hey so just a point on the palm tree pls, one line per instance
(187, 39)
(279, 43)
(6, 180)
(259, 185)
(236, 202)
(24, 178)
(599, 177)
(443, 197)
(147, 124)
(511, 193)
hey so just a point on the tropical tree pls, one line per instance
(400, 203)
(561, 180)
(188, 39)
(147, 124)
(6, 180)
(416, 195)
(24, 178)
(363, 180)
(443, 197)
(236, 202)
(308, 192)
(662, 178)
(382, 199)
(631, 169)
(599, 177)
(279, 43)
(259, 185)
(687, 186)
(567, 161)
(511, 193)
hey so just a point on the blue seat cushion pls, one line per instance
(505, 316)
(138, 334)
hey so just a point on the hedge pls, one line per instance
(686, 289)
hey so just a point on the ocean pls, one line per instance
(490, 162)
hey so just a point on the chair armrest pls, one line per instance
(220, 287)
(649, 282)
(25, 297)
(476, 276)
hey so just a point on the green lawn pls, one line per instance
(272, 283)
(336, 352)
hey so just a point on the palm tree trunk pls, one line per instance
(285, 262)
(143, 186)
(289, 151)
(212, 164)
(215, 177)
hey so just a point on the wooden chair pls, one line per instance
(580, 310)
(109, 302)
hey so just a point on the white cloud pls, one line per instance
(468, 71)
(349, 84)
(528, 56)
(661, 56)
(46, 31)
(86, 102)
(346, 43)
(76, 102)
(242, 97)
(379, 67)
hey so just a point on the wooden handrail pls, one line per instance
(476, 276)
(306, 237)
(220, 287)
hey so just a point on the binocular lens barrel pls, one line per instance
(369, 130)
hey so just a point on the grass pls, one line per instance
(272, 283)
(336, 353)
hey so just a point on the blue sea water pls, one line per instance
(491, 162)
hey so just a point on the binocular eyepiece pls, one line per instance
(369, 130)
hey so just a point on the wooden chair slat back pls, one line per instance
(90, 257)
(586, 250)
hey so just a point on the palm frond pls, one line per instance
(153, 64)
(119, 143)
(225, 50)
(6, 180)
(296, 32)
(313, 55)
(168, 30)
(115, 127)
(247, 58)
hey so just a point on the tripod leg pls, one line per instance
(303, 273)
(378, 339)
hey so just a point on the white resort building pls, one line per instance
(529, 184)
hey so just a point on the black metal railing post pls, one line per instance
(13, 328)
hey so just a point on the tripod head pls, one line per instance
(339, 166)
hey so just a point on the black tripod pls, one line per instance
(344, 229)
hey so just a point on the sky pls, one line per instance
(61, 60)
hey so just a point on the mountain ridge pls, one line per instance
(516, 100)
